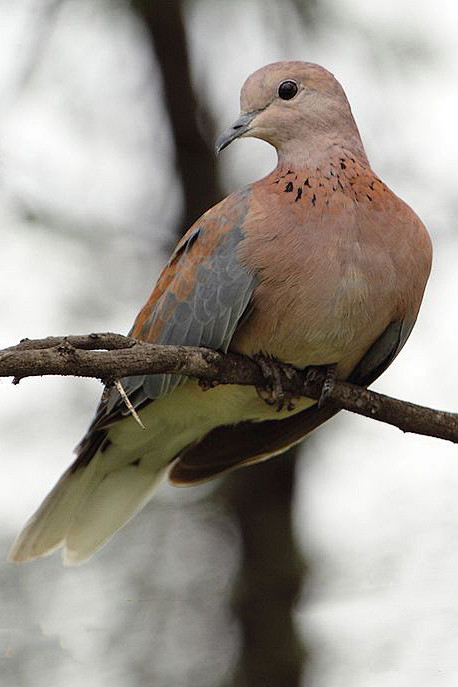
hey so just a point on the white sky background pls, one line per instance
(83, 148)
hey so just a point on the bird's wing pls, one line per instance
(200, 297)
(230, 447)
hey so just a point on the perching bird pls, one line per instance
(317, 264)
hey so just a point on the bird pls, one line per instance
(318, 264)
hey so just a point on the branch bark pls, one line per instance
(110, 357)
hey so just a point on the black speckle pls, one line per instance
(289, 187)
(327, 203)
(314, 200)
(331, 172)
(135, 463)
(343, 165)
(290, 171)
(352, 159)
(307, 182)
(320, 184)
(299, 194)
(104, 445)
(371, 185)
(340, 184)
(368, 196)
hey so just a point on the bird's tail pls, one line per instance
(85, 508)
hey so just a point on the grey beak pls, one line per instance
(238, 128)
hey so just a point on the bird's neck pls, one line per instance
(315, 152)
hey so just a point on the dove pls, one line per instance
(317, 264)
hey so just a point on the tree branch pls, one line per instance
(110, 357)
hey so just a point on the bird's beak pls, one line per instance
(238, 128)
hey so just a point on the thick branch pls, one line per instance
(110, 357)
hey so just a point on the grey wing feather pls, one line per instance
(209, 316)
(381, 354)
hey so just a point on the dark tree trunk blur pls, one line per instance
(194, 157)
(272, 571)
(271, 575)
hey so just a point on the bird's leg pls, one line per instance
(272, 371)
(329, 381)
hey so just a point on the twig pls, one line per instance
(110, 357)
(129, 405)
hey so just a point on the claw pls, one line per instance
(328, 384)
(207, 384)
(272, 371)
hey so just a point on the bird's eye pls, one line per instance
(287, 90)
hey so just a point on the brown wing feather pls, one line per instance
(205, 276)
(227, 448)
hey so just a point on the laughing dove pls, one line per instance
(319, 263)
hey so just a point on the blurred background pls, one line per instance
(336, 566)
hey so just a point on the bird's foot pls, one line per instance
(329, 382)
(274, 393)
(207, 384)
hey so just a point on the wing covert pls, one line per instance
(199, 298)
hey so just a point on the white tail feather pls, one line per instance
(91, 502)
(114, 501)
(85, 508)
(45, 530)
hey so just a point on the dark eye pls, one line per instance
(287, 90)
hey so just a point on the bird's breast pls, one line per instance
(325, 293)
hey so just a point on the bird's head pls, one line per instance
(291, 105)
